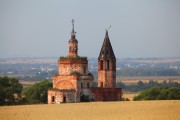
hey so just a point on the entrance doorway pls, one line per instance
(84, 98)
(64, 99)
(53, 99)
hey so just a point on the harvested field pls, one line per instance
(132, 110)
(130, 95)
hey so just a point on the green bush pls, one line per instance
(37, 93)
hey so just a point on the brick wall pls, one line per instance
(106, 94)
(66, 67)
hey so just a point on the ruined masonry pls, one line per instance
(75, 84)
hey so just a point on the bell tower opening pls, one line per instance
(107, 65)
(101, 67)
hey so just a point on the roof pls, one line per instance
(106, 49)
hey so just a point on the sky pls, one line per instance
(41, 28)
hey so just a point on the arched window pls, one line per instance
(101, 65)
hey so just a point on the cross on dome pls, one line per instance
(73, 32)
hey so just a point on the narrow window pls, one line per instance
(101, 65)
(101, 84)
(81, 85)
(84, 70)
(88, 85)
(107, 65)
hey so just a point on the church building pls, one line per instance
(75, 84)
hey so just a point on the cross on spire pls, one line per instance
(108, 28)
(73, 32)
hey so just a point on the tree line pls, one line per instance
(140, 86)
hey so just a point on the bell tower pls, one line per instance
(106, 65)
(73, 43)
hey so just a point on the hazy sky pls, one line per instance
(41, 28)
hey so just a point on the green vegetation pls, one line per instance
(140, 86)
(53, 89)
(37, 93)
(73, 58)
(10, 91)
(159, 93)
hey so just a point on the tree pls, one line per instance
(9, 88)
(37, 93)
